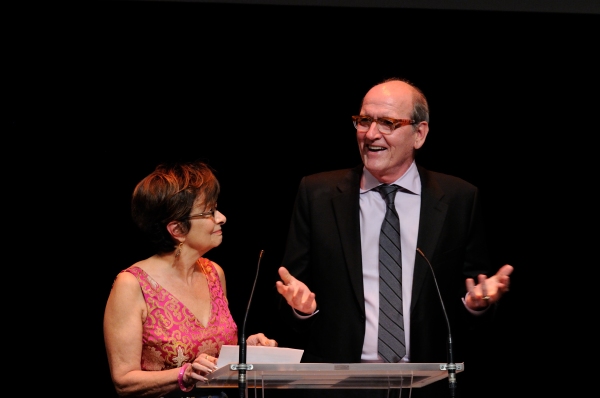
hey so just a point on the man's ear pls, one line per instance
(421, 134)
(175, 229)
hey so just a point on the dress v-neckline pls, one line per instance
(183, 305)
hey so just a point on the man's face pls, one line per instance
(388, 156)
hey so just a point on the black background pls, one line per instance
(264, 93)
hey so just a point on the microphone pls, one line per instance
(451, 365)
(242, 366)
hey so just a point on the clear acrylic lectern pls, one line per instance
(331, 375)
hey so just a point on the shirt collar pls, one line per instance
(409, 180)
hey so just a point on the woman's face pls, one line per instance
(205, 227)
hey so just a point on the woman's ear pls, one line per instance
(175, 229)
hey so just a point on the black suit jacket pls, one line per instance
(323, 250)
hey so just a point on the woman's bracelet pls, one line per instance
(180, 379)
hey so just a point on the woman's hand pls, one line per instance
(202, 366)
(261, 339)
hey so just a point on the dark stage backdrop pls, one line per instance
(264, 94)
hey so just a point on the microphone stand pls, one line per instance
(242, 367)
(451, 366)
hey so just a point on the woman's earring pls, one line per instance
(178, 251)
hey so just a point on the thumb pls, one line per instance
(285, 275)
(505, 270)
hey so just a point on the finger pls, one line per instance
(306, 303)
(281, 287)
(202, 369)
(484, 291)
(197, 376)
(207, 360)
(285, 276)
(505, 270)
(211, 359)
(298, 298)
(288, 292)
(268, 343)
(252, 341)
(257, 339)
(470, 284)
(503, 277)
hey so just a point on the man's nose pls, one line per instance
(373, 131)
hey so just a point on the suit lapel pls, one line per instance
(345, 203)
(433, 214)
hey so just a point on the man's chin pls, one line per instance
(374, 163)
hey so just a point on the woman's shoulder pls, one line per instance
(132, 274)
(127, 281)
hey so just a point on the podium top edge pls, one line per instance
(347, 366)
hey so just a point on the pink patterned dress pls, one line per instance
(172, 335)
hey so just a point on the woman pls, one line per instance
(167, 316)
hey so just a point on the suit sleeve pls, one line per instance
(296, 254)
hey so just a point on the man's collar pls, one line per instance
(409, 180)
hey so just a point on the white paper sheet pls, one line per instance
(259, 354)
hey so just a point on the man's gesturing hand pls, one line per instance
(296, 293)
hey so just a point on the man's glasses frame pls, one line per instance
(385, 125)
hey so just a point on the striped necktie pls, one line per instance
(391, 346)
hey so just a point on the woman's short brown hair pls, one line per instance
(168, 194)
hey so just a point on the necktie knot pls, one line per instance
(388, 192)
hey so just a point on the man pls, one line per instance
(330, 272)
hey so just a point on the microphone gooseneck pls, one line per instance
(451, 365)
(242, 367)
